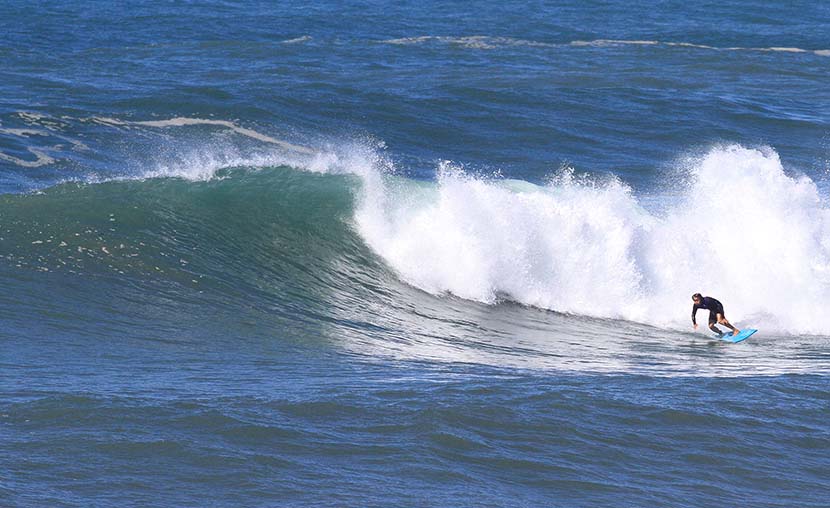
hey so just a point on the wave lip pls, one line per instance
(482, 240)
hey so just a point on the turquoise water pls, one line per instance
(433, 254)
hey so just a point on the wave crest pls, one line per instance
(743, 231)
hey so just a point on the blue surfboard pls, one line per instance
(745, 334)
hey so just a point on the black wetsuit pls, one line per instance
(713, 306)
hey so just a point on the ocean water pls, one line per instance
(413, 254)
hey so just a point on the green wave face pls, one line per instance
(272, 241)
(245, 218)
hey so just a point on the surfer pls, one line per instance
(716, 314)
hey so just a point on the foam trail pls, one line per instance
(42, 159)
(182, 122)
(624, 42)
(204, 164)
(470, 41)
(491, 42)
(43, 154)
(23, 133)
(745, 232)
(607, 42)
(297, 40)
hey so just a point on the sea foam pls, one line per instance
(738, 228)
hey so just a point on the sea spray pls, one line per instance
(752, 235)
(744, 231)
(482, 240)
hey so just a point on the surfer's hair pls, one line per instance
(697, 296)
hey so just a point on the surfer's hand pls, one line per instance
(695, 325)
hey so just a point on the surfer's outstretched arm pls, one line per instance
(694, 311)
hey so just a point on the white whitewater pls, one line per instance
(738, 227)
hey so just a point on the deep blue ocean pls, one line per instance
(413, 254)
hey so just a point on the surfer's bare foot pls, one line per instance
(735, 331)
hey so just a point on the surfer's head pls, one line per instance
(697, 297)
